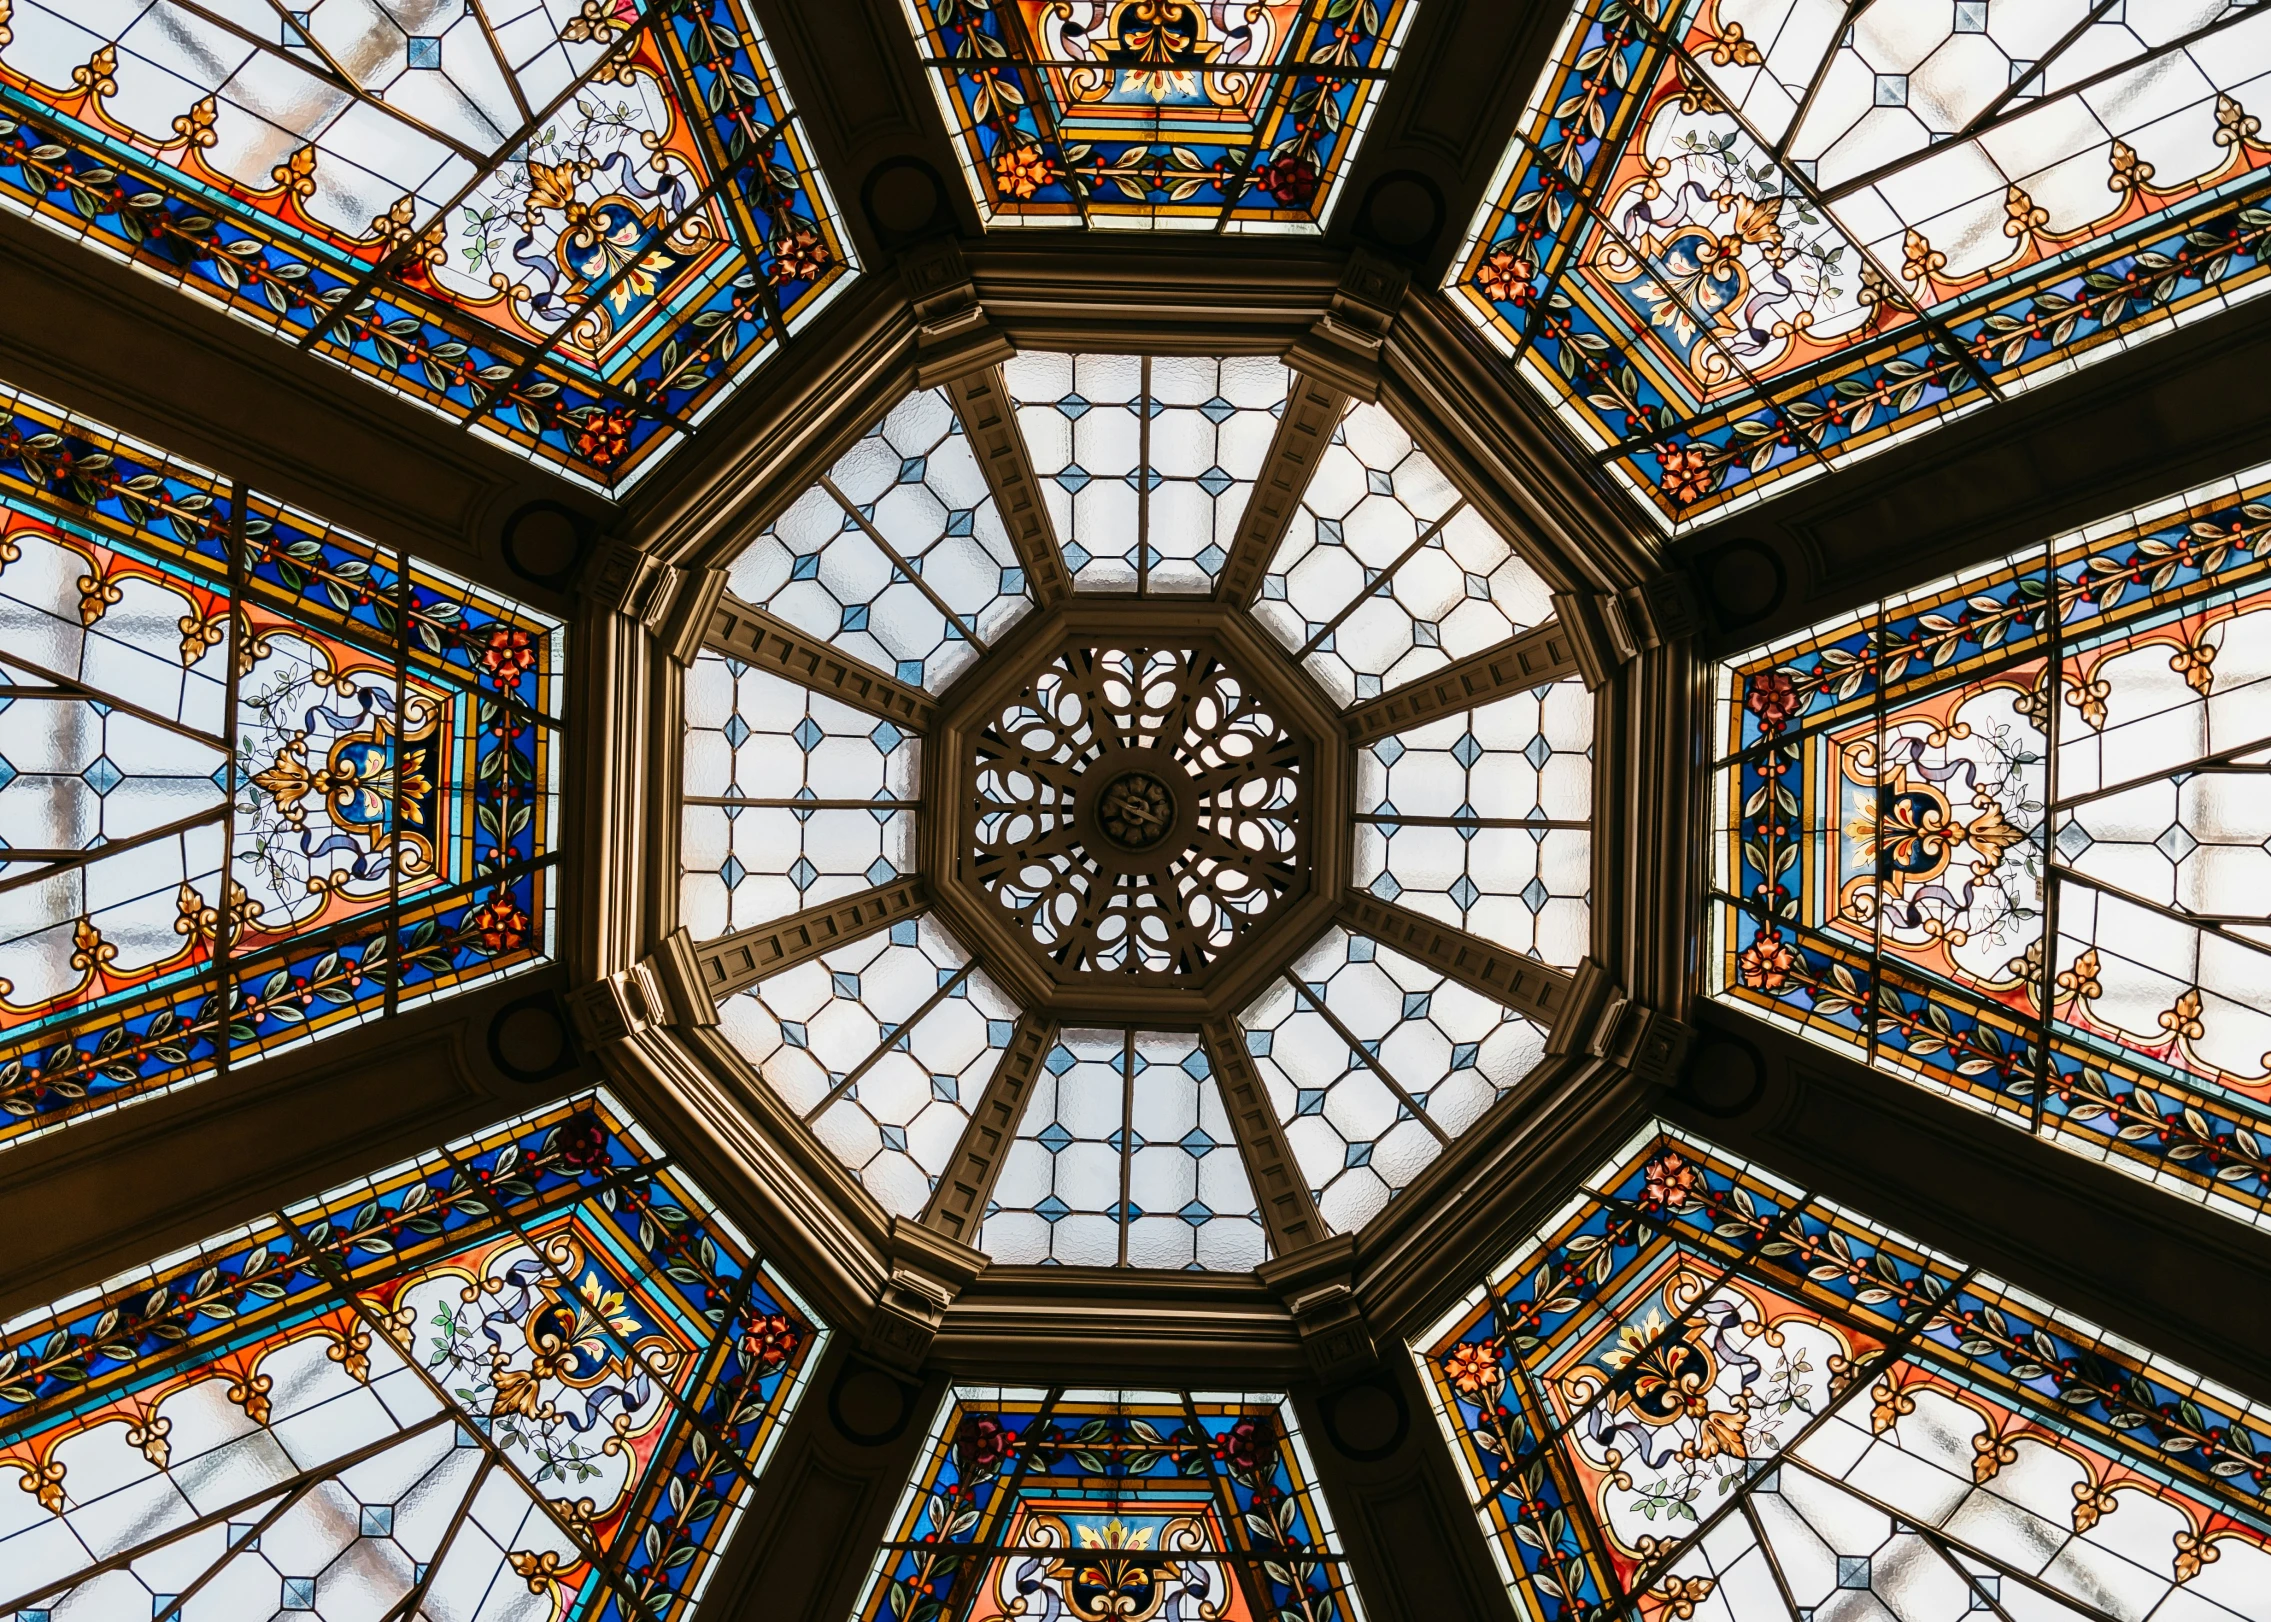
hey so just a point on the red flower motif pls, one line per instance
(1248, 1448)
(582, 1143)
(1766, 963)
(1687, 472)
(1774, 699)
(982, 1446)
(1472, 1368)
(499, 924)
(1670, 1182)
(1505, 276)
(799, 256)
(1020, 171)
(1291, 179)
(604, 439)
(510, 655)
(770, 1342)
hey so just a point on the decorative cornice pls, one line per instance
(1313, 410)
(737, 961)
(1281, 1193)
(1538, 990)
(746, 632)
(1532, 658)
(958, 1202)
(981, 401)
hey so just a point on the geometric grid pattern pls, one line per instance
(573, 229)
(1375, 1063)
(1387, 572)
(1181, 1504)
(382, 834)
(1125, 1158)
(1482, 818)
(534, 1372)
(1159, 117)
(1146, 461)
(791, 797)
(2015, 852)
(1698, 1391)
(1734, 243)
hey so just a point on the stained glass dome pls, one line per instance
(1134, 811)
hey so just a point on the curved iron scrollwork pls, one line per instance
(1139, 808)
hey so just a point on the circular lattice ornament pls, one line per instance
(1139, 809)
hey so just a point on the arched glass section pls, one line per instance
(1699, 1392)
(261, 780)
(1162, 115)
(2004, 836)
(1055, 1502)
(533, 1373)
(572, 227)
(1737, 241)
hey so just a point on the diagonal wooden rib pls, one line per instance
(958, 1204)
(1312, 411)
(738, 961)
(1498, 972)
(746, 632)
(1281, 1192)
(1531, 658)
(982, 401)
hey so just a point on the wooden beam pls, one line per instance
(1532, 658)
(1312, 411)
(1498, 972)
(982, 401)
(746, 632)
(1289, 1215)
(738, 961)
(958, 1204)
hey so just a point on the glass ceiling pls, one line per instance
(886, 1045)
(1736, 241)
(1185, 115)
(570, 228)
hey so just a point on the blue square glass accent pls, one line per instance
(806, 566)
(1892, 90)
(1309, 1101)
(808, 734)
(1052, 1209)
(736, 731)
(1197, 1144)
(1534, 895)
(732, 872)
(1013, 582)
(242, 1536)
(844, 983)
(1060, 1060)
(426, 52)
(880, 871)
(1467, 750)
(299, 1593)
(102, 776)
(1464, 893)
(1054, 1138)
(1357, 1154)
(1971, 16)
(1386, 887)
(1388, 751)
(910, 671)
(1852, 1571)
(1196, 1066)
(946, 1088)
(1218, 411)
(793, 1033)
(1379, 483)
(1072, 478)
(1361, 949)
(1073, 406)
(1196, 1213)
(1464, 1054)
(1214, 481)
(1986, 1589)
(912, 469)
(894, 1137)
(1077, 556)
(887, 737)
(376, 1521)
(855, 618)
(999, 1031)
(1211, 558)
(803, 874)
(903, 933)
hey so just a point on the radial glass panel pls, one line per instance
(2016, 852)
(533, 1373)
(260, 779)
(1069, 1503)
(571, 227)
(1737, 241)
(1158, 114)
(1699, 1392)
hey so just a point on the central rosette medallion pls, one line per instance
(1139, 808)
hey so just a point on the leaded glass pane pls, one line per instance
(1701, 1385)
(382, 835)
(1735, 241)
(2014, 854)
(1182, 117)
(573, 229)
(1178, 1503)
(532, 1373)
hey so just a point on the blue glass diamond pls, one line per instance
(1273, 588)
(1467, 750)
(905, 932)
(241, 1536)
(1073, 478)
(1534, 895)
(1852, 1571)
(806, 566)
(1361, 949)
(1195, 1065)
(103, 776)
(1309, 1101)
(1218, 411)
(844, 983)
(1196, 1143)
(1077, 556)
(1464, 1054)
(1211, 558)
(887, 737)
(1379, 483)
(736, 731)
(1073, 406)
(1013, 582)
(1060, 1060)
(1388, 751)
(910, 671)
(855, 618)
(999, 1031)
(376, 1521)
(946, 1088)
(425, 52)
(1416, 1004)
(1196, 1213)
(808, 734)
(1367, 685)
(1214, 481)
(792, 1032)
(1125, 1212)
(220, 775)
(1537, 752)
(1356, 1154)
(880, 871)
(1052, 1209)
(1148, 478)
(732, 872)
(1464, 893)
(962, 521)
(894, 1137)
(1386, 887)
(802, 874)
(912, 469)
(1477, 586)
(1054, 1137)
(1329, 532)
(1986, 1589)
(299, 1593)
(1258, 1043)
(8, 775)
(1426, 634)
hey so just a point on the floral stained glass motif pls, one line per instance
(1699, 1392)
(1146, 461)
(883, 1047)
(1482, 819)
(1736, 241)
(1375, 1064)
(791, 798)
(2004, 836)
(1387, 572)
(260, 779)
(1112, 1504)
(570, 227)
(1158, 114)
(531, 1374)
(1125, 1158)
(898, 555)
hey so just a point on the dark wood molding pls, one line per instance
(1281, 1193)
(1528, 659)
(1312, 411)
(746, 632)
(1538, 990)
(737, 961)
(958, 1203)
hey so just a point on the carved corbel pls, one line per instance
(1660, 609)
(953, 335)
(623, 578)
(928, 1270)
(1345, 345)
(617, 1006)
(1600, 634)
(1317, 1283)
(1603, 1022)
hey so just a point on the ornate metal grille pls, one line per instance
(1138, 808)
